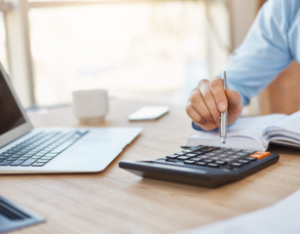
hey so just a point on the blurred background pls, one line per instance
(149, 50)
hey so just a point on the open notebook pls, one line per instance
(255, 133)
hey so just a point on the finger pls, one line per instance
(199, 105)
(209, 100)
(194, 115)
(233, 97)
(235, 105)
(217, 88)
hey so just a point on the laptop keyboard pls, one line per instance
(40, 149)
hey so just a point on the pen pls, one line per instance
(223, 124)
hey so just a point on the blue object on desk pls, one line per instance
(13, 217)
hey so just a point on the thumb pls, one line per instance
(233, 97)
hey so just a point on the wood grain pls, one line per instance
(116, 201)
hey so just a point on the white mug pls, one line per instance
(90, 106)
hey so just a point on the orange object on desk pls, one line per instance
(263, 153)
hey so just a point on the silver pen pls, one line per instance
(223, 118)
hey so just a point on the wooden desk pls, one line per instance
(116, 201)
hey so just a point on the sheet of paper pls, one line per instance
(280, 218)
(247, 127)
(291, 123)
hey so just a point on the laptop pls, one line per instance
(25, 150)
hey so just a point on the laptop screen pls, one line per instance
(11, 116)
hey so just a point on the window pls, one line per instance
(3, 52)
(131, 49)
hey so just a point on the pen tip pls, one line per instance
(223, 140)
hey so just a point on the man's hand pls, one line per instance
(209, 99)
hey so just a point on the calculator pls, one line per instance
(202, 165)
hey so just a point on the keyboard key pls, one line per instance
(51, 154)
(62, 147)
(5, 163)
(27, 163)
(42, 161)
(36, 157)
(47, 158)
(17, 162)
(201, 163)
(189, 162)
(213, 165)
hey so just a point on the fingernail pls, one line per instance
(222, 106)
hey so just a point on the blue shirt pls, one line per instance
(271, 44)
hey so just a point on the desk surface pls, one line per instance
(116, 201)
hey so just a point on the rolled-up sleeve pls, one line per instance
(265, 51)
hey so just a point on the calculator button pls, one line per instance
(189, 162)
(263, 153)
(209, 148)
(249, 151)
(219, 162)
(195, 159)
(201, 163)
(191, 155)
(172, 156)
(236, 164)
(243, 161)
(180, 153)
(208, 160)
(213, 165)
(258, 156)
(224, 149)
(187, 151)
(197, 148)
(236, 150)
(183, 157)
(241, 154)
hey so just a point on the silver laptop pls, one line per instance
(25, 150)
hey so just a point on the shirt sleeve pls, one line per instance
(264, 53)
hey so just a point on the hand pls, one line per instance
(209, 99)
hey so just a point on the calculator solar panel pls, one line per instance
(206, 166)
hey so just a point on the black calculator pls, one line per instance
(203, 165)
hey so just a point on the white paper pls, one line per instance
(244, 133)
(281, 218)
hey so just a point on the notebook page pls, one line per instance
(290, 123)
(240, 132)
